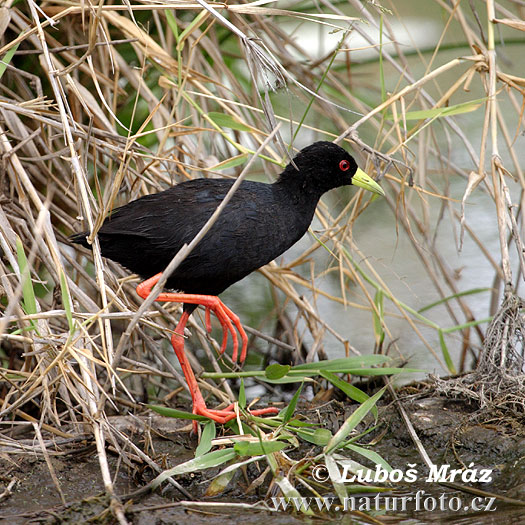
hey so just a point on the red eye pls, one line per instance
(344, 165)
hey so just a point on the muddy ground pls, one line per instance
(449, 431)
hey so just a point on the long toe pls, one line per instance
(219, 416)
(224, 415)
(264, 411)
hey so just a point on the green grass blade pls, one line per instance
(191, 26)
(335, 478)
(350, 390)
(227, 121)
(290, 409)
(361, 366)
(276, 371)
(287, 380)
(318, 436)
(353, 421)
(172, 22)
(468, 324)
(344, 363)
(232, 162)
(6, 59)
(276, 421)
(66, 301)
(242, 395)
(454, 296)
(179, 414)
(448, 111)
(319, 85)
(377, 286)
(206, 461)
(28, 292)
(247, 448)
(208, 433)
(377, 317)
(371, 455)
(219, 484)
(446, 353)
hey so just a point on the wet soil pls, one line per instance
(449, 431)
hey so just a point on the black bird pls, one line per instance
(260, 222)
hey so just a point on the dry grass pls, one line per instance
(101, 104)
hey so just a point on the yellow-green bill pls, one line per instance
(362, 180)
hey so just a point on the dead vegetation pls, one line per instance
(101, 104)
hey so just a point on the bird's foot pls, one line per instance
(228, 320)
(224, 415)
(212, 303)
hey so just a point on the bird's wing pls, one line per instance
(173, 216)
(159, 224)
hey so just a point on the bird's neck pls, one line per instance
(295, 184)
(299, 203)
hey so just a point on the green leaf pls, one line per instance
(287, 379)
(208, 433)
(319, 436)
(246, 448)
(303, 372)
(383, 371)
(277, 422)
(206, 461)
(378, 319)
(454, 296)
(227, 121)
(66, 301)
(468, 324)
(353, 421)
(361, 365)
(448, 111)
(290, 409)
(350, 390)
(230, 163)
(172, 22)
(242, 395)
(276, 371)
(179, 414)
(28, 291)
(374, 457)
(344, 363)
(6, 59)
(194, 23)
(446, 353)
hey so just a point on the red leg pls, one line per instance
(226, 318)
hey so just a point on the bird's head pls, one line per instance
(323, 166)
